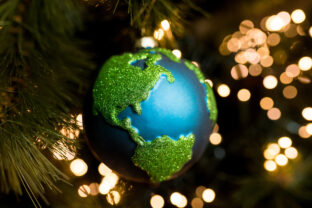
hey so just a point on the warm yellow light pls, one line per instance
(199, 190)
(273, 149)
(159, 34)
(252, 56)
(298, 16)
(209, 82)
(243, 95)
(291, 153)
(70, 133)
(310, 31)
(274, 23)
(196, 64)
(223, 90)
(157, 201)
(309, 128)
(177, 53)
(273, 39)
(78, 167)
(62, 152)
(305, 63)
(178, 199)
(239, 71)
(165, 25)
(147, 42)
(266, 103)
(285, 79)
(104, 170)
(285, 16)
(281, 160)
(257, 35)
(290, 92)
(215, 138)
(268, 155)
(245, 26)
(270, 82)
(274, 114)
(284, 142)
(266, 61)
(197, 203)
(292, 70)
(94, 189)
(263, 51)
(234, 44)
(270, 165)
(307, 113)
(255, 70)
(113, 197)
(208, 195)
(108, 182)
(302, 132)
(83, 191)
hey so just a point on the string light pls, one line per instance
(307, 113)
(165, 25)
(223, 90)
(113, 197)
(270, 165)
(83, 191)
(284, 142)
(243, 95)
(305, 63)
(78, 167)
(177, 53)
(157, 201)
(270, 82)
(298, 16)
(178, 199)
(281, 160)
(291, 153)
(208, 195)
(274, 114)
(266, 103)
(215, 138)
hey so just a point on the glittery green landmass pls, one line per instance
(120, 84)
(163, 156)
(211, 101)
(165, 52)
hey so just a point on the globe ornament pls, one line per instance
(150, 115)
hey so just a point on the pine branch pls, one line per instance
(41, 72)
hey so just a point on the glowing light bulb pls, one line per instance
(298, 16)
(291, 153)
(270, 82)
(284, 142)
(78, 167)
(307, 113)
(243, 95)
(178, 199)
(305, 63)
(177, 53)
(270, 165)
(208, 195)
(209, 82)
(157, 201)
(223, 90)
(215, 138)
(165, 25)
(281, 160)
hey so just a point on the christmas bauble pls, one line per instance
(150, 115)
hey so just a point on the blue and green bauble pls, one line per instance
(150, 115)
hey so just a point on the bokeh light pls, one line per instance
(94, 189)
(273, 39)
(307, 113)
(157, 201)
(78, 167)
(177, 53)
(305, 63)
(83, 191)
(62, 152)
(255, 70)
(243, 95)
(199, 190)
(104, 170)
(281, 160)
(245, 26)
(178, 199)
(215, 138)
(274, 23)
(270, 82)
(209, 82)
(239, 71)
(290, 92)
(285, 16)
(208, 195)
(234, 44)
(292, 70)
(266, 61)
(310, 31)
(147, 42)
(298, 16)
(197, 203)
(223, 90)
(113, 197)
(108, 183)
(284, 142)
(273, 149)
(274, 114)
(302, 132)
(270, 165)
(291, 153)
(159, 34)
(285, 79)
(266, 103)
(165, 25)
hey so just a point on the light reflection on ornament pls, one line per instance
(177, 53)
(239, 71)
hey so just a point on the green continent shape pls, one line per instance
(163, 157)
(211, 101)
(120, 84)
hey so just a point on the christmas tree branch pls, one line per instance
(41, 72)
